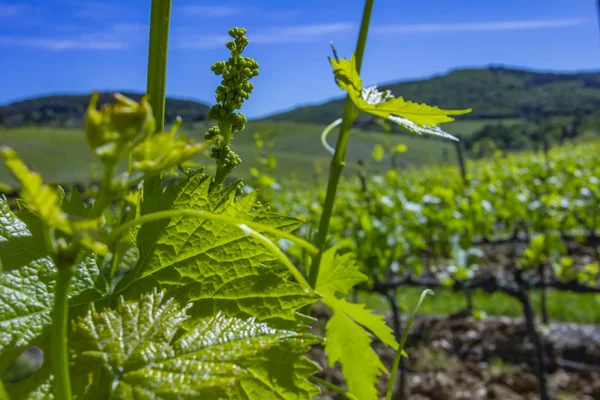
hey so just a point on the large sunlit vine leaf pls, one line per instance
(220, 268)
(417, 118)
(27, 291)
(140, 351)
(347, 340)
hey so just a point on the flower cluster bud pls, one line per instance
(109, 129)
(235, 72)
(228, 157)
(212, 133)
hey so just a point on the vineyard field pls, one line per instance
(436, 239)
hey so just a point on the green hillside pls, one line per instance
(63, 155)
(492, 93)
(68, 110)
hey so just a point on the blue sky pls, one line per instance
(75, 46)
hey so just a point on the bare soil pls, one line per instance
(461, 357)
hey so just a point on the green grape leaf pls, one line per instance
(350, 344)
(400, 148)
(416, 118)
(44, 201)
(163, 151)
(74, 205)
(338, 273)
(345, 331)
(27, 293)
(365, 317)
(218, 267)
(141, 351)
(378, 152)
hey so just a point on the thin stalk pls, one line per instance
(523, 298)
(543, 301)
(247, 226)
(339, 157)
(156, 216)
(469, 297)
(3, 393)
(397, 327)
(537, 343)
(156, 87)
(333, 387)
(49, 239)
(282, 258)
(123, 200)
(461, 163)
(104, 198)
(400, 351)
(60, 346)
(222, 171)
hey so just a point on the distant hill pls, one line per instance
(492, 93)
(69, 110)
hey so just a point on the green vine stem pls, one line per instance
(60, 346)
(167, 214)
(160, 16)
(333, 387)
(105, 197)
(156, 86)
(248, 227)
(339, 158)
(400, 351)
(3, 394)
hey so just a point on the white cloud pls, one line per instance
(62, 44)
(482, 26)
(116, 37)
(209, 11)
(287, 34)
(279, 15)
(204, 42)
(93, 9)
(10, 10)
(300, 33)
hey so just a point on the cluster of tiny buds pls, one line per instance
(239, 190)
(238, 124)
(212, 133)
(227, 156)
(236, 72)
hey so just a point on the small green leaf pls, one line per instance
(110, 129)
(365, 317)
(345, 331)
(350, 344)
(417, 118)
(39, 198)
(378, 152)
(338, 274)
(400, 148)
(141, 351)
(74, 205)
(42, 200)
(163, 151)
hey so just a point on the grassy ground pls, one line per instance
(465, 128)
(562, 306)
(63, 155)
